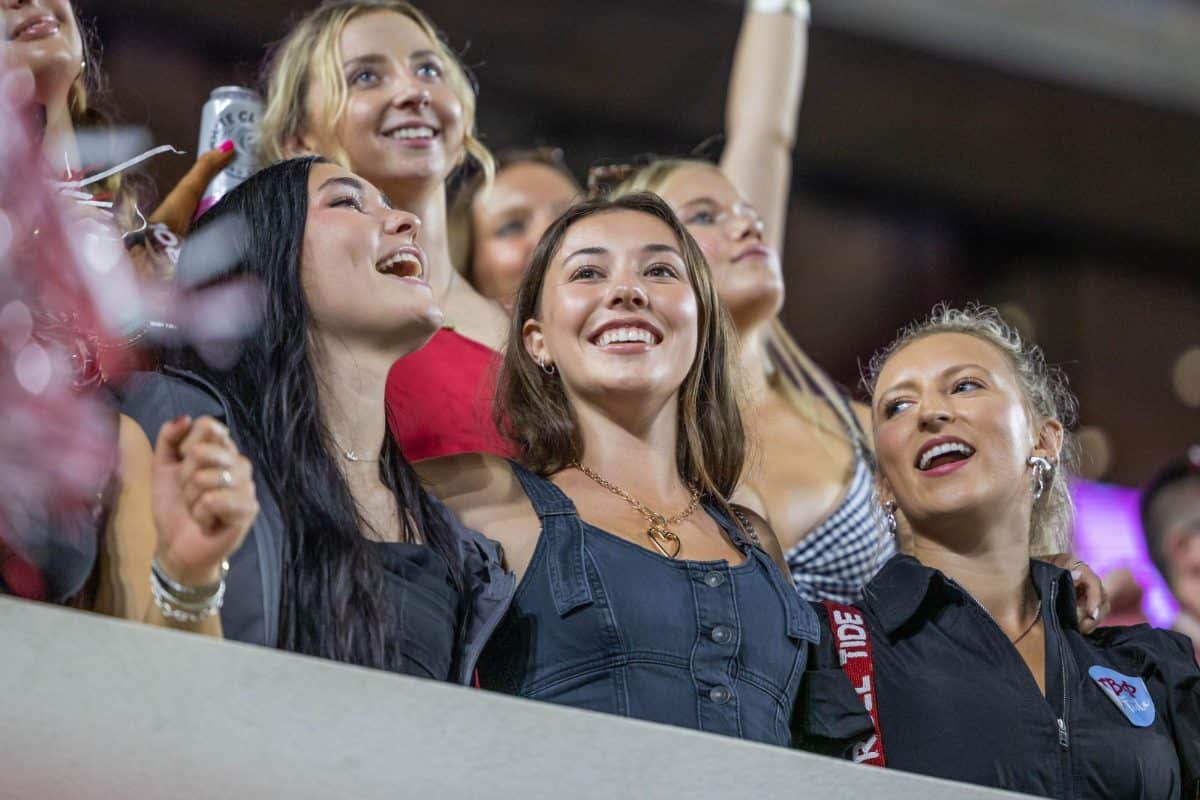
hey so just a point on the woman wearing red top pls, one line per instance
(381, 94)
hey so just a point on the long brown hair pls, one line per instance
(311, 53)
(532, 407)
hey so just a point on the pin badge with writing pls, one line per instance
(1128, 693)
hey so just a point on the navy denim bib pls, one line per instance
(600, 623)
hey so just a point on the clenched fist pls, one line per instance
(203, 499)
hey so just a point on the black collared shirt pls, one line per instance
(957, 701)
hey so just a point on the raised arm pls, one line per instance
(761, 109)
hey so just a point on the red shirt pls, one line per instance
(439, 399)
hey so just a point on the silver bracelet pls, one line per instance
(182, 591)
(186, 603)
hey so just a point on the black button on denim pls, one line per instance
(601, 623)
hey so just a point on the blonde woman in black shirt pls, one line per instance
(980, 671)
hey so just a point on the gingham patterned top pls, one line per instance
(837, 558)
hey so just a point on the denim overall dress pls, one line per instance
(600, 623)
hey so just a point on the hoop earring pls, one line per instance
(549, 370)
(1043, 472)
(889, 518)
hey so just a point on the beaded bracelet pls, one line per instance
(186, 603)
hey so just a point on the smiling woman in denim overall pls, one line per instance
(642, 591)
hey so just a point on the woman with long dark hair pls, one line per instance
(643, 592)
(350, 559)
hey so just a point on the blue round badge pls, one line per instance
(1128, 693)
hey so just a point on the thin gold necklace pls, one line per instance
(660, 536)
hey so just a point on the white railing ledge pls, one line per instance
(98, 708)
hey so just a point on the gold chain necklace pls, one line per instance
(660, 536)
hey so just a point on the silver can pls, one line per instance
(231, 113)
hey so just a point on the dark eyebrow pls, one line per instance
(353, 183)
(662, 248)
(587, 251)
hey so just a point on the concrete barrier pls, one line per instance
(98, 708)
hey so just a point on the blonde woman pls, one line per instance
(980, 670)
(371, 86)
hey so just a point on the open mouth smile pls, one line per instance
(405, 262)
(626, 335)
(36, 27)
(943, 455)
(416, 133)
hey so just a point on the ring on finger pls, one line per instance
(1077, 565)
(226, 478)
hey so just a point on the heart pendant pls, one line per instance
(664, 539)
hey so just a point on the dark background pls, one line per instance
(1069, 195)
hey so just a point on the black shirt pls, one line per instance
(956, 700)
(426, 602)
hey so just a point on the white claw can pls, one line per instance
(232, 113)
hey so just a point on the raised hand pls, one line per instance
(203, 499)
(1091, 598)
(178, 208)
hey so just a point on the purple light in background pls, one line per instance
(1108, 535)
